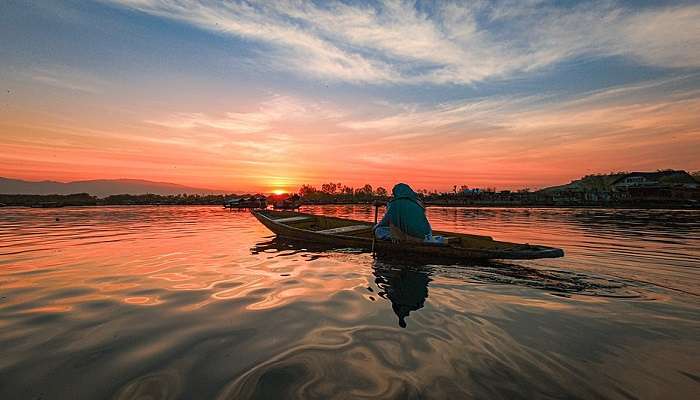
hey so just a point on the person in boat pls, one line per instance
(405, 218)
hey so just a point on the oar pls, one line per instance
(374, 235)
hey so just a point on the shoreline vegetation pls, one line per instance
(660, 189)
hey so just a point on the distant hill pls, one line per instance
(98, 187)
(588, 183)
(605, 182)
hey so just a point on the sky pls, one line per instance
(263, 96)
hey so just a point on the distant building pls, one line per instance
(655, 179)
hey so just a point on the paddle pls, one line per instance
(374, 235)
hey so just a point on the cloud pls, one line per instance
(657, 107)
(448, 43)
(668, 37)
(434, 120)
(65, 78)
(490, 129)
(508, 141)
(235, 122)
(520, 141)
(278, 108)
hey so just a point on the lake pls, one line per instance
(201, 302)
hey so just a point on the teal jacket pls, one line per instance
(406, 212)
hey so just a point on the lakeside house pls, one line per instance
(654, 179)
(657, 186)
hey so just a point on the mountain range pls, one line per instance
(99, 187)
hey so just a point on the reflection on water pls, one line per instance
(406, 288)
(198, 302)
(404, 279)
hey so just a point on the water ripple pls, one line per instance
(198, 302)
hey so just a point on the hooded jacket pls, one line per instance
(406, 212)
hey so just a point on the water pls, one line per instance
(198, 302)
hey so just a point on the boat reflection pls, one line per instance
(403, 280)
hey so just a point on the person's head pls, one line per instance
(403, 190)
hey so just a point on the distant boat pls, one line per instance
(358, 234)
(251, 202)
(287, 204)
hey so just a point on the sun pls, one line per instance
(279, 191)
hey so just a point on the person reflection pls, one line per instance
(406, 288)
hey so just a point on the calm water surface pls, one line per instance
(198, 302)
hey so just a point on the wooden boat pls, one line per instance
(358, 234)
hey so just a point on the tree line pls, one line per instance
(337, 192)
(85, 199)
(333, 191)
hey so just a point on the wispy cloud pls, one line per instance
(505, 141)
(488, 129)
(65, 78)
(644, 125)
(235, 122)
(456, 43)
(277, 108)
(590, 114)
(539, 143)
(430, 120)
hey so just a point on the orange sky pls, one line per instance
(528, 149)
(185, 104)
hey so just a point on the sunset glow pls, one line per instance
(272, 95)
(349, 199)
